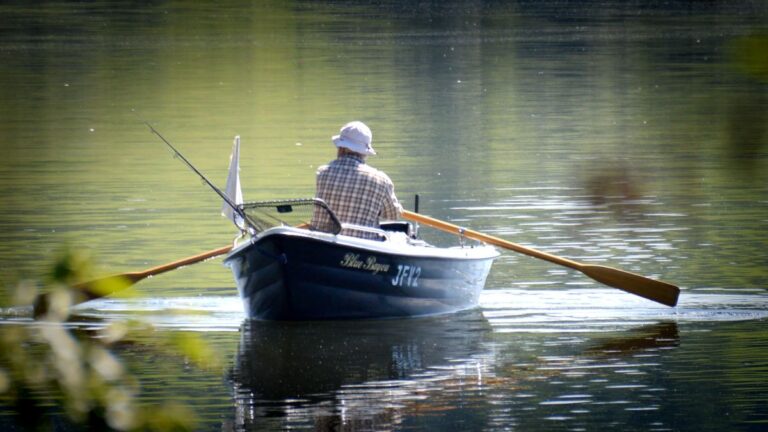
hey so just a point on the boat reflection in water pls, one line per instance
(351, 373)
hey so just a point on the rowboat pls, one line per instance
(284, 272)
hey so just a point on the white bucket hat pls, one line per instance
(355, 136)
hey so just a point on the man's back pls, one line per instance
(358, 193)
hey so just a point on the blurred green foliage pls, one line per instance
(50, 367)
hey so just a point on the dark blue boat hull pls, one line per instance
(283, 276)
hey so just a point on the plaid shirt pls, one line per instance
(358, 193)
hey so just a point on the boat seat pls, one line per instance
(399, 226)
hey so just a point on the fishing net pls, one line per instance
(262, 215)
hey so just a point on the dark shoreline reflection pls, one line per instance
(661, 335)
(349, 372)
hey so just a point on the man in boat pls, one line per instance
(358, 193)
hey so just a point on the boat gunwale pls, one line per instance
(390, 247)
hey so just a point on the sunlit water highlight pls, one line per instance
(507, 310)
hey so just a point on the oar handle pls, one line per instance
(185, 261)
(455, 229)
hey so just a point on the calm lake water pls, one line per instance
(633, 135)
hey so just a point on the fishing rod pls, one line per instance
(223, 196)
(101, 287)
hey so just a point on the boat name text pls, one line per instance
(352, 260)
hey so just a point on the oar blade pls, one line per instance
(651, 289)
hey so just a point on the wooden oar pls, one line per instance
(642, 286)
(107, 285)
